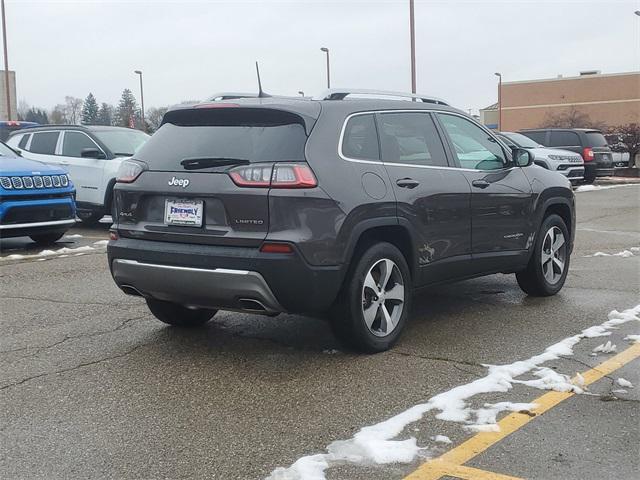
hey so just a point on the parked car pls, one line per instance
(36, 199)
(589, 143)
(564, 162)
(90, 154)
(269, 205)
(10, 126)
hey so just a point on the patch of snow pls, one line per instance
(635, 249)
(331, 351)
(376, 444)
(62, 252)
(624, 383)
(101, 243)
(106, 219)
(487, 427)
(606, 348)
(596, 331)
(549, 379)
(591, 188)
(620, 390)
(623, 254)
(76, 235)
(633, 338)
(441, 439)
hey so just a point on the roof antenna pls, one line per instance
(261, 93)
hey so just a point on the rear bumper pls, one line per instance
(593, 169)
(200, 287)
(227, 278)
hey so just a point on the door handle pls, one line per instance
(407, 183)
(480, 183)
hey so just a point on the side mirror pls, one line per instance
(91, 152)
(522, 157)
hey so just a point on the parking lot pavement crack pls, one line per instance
(122, 325)
(66, 302)
(71, 369)
(585, 364)
(454, 363)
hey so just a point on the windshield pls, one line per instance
(122, 142)
(521, 140)
(6, 151)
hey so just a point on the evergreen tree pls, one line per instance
(36, 115)
(105, 115)
(90, 110)
(126, 110)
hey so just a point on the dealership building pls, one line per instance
(607, 99)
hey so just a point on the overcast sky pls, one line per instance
(192, 49)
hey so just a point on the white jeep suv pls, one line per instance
(90, 154)
(568, 163)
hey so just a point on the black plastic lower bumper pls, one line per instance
(296, 286)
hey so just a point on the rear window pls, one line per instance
(538, 137)
(256, 135)
(564, 139)
(23, 141)
(44, 143)
(596, 139)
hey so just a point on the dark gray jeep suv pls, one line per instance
(342, 205)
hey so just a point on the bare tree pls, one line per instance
(629, 136)
(23, 108)
(58, 115)
(154, 116)
(73, 108)
(570, 118)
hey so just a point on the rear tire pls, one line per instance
(547, 269)
(46, 238)
(179, 315)
(374, 303)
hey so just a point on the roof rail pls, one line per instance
(342, 93)
(230, 96)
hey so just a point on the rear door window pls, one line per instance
(564, 139)
(596, 139)
(44, 143)
(248, 134)
(360, 139)
(411, 138)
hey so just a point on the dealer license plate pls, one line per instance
(183, 212)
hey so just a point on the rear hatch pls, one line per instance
(208, 173)
(602, 154)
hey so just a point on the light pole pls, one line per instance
(499, 75)
(6, 63)
(144, 125)
(412, 31)
(326, 50)
(301, 93)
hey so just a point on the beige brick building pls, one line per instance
(609, 99)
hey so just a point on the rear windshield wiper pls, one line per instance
(207, 162)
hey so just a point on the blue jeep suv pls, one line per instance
(36, 200)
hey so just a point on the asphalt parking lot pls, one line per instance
(92, 386)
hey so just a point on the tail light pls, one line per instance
(273, 247)
(280, 175)
(587, 154)
(130, 170)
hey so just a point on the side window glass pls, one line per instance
(74, 142)
(474, 148)
(564, 139)
(360, 139)
(44, 143)
(23, 141)
(411, 138)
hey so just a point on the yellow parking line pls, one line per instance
(468, 473)
(456, 457)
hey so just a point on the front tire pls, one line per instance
(46, 238)
(179, 315)
(374, 304)
(549, 264)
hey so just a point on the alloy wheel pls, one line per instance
(554, 254)
(383, 297)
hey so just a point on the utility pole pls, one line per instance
(412, 29)
(6, 63)
(499, 75)
(144, 125)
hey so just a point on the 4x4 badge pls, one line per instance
(178, 182)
